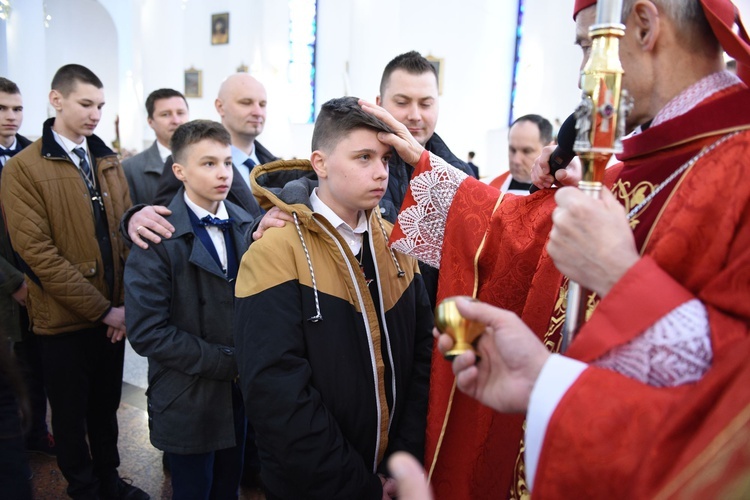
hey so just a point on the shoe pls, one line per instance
(44, 445)
(122, 489)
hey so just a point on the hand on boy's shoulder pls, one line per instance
(273, 218)
(149, 225)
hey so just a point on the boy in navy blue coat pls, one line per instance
(179, 300)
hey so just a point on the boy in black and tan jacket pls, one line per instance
(332, 328)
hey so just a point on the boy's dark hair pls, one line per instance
(66, 77)
(195, 131)
(8, 87)
(161, 94)
(544, 126)
(337, 118)
(412, 62)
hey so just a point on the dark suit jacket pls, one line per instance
(10, 277)
(143, 172)
(239, 192)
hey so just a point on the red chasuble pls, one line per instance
(685, 442)
(695, 239)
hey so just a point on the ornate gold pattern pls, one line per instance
(631, 196)
(519, 489)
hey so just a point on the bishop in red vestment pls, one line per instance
(682, 182)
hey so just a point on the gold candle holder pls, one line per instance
(463, 331)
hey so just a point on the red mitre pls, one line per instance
(722, 16)
(580, 5)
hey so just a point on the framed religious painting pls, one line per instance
(437, 63)
(193, 83)
(220, 29)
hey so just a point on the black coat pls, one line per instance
(179, 310)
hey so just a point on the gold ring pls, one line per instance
(138, 229)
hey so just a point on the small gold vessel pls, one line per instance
(463, 331)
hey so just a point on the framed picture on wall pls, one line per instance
(220, 29)
(193, 83)
(437, 63)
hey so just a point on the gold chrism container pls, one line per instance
(463, 331)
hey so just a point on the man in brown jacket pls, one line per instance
(63, 197)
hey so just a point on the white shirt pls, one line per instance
(216, 234)
(4, 158)
(69, 146)
(352, 236)
(164, 152)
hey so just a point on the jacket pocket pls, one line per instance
(87, 269)
(167, 387)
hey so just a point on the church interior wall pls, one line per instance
(137, 46)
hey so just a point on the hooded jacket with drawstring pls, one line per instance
(333, 381)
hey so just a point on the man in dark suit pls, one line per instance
(241, 103)
(13, 290)
(166, 109)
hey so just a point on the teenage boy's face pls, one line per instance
(206, 171)
(412, 100)
(354, 175)
(78, 113)
(11, 117)
(169, 113)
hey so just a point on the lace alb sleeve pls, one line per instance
(423, 223)
(675, 350)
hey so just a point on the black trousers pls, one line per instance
(83, 378)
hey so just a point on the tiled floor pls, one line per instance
(140, 462)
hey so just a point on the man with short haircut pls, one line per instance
(409, 92)
(166, 110)
(13, 289)
(241, 103)
(63, 198)
(527, 136)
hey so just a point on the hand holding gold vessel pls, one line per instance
(464, 332)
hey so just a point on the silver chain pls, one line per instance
(677, 172)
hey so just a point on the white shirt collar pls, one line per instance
(69, 146)
(200, 212)
(14, 145)
(164, 152)
(352, 236)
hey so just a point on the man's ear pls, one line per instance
(377, 101)
(178, 171)
(646, 24)
(55, 99)
(219, 107)
(318, 160)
